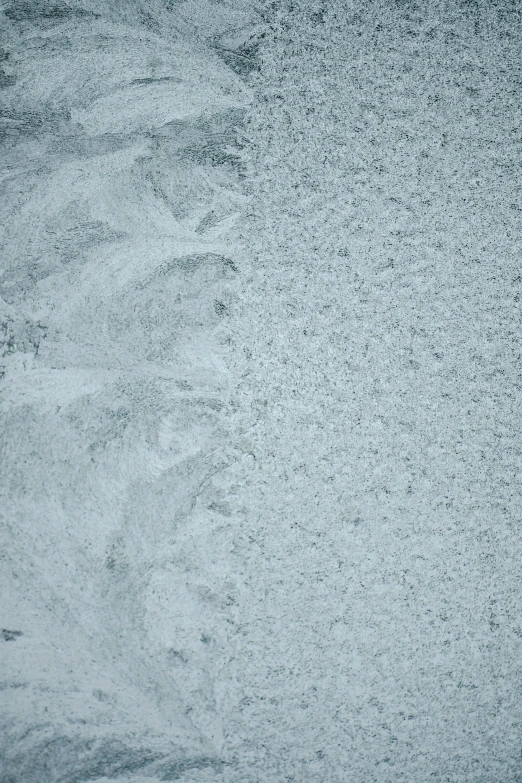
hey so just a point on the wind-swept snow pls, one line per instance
(260, 392)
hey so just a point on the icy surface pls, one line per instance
(260, 397)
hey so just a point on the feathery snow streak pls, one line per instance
(122, 184)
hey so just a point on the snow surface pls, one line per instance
(260, 396)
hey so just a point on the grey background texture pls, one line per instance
(260, 388)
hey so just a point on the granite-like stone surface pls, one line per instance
(260, 397)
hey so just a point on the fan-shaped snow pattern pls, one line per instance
(260, 393)
(122, 185)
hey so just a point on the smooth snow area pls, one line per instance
(261, 396)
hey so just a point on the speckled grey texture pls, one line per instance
(261, 392)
